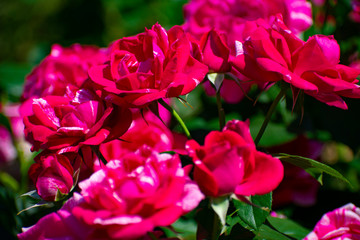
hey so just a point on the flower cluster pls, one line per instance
(100, 118)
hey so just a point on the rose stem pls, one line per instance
(220, 111)
(177, 117)
(269, 114)
(96, 150)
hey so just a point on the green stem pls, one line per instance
(220, 111)
(215, 228)
(269, 114)
(96, 150)
(177, 117)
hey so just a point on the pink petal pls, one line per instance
(266, 176)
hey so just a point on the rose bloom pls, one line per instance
(355, 13)
(7, 149)
(64, 66)
(229, 163)
(229, 16)
(150, 66)
(124, 200)
(51, 173)
(204, 17)
(66, 123)
(341, 223)
(273, 53)
(216, 55)
(146, 133)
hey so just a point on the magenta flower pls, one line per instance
(341, 223)
(51, 173)
(146, 133)
(152, 65)
(69, 122)
(124, 200)
(271, 54)
(355, 13)
(63, 67)
(7, 149)
(229, 163)
(229, 16)
(215, 51)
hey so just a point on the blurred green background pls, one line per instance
(28, 28)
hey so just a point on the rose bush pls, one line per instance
(341, 223)
(66, 123)
(273, 53)
(229, 163)
(150, 66)
(124, 200)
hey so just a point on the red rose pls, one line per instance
(63, 67)
(229, 163)
(51, 173)
(215, 51)
(273, 53)
(124, 200)
(149, 66)
(68, 122)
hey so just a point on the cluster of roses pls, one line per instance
(95, 115)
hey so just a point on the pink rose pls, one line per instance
(227, 19)
(69, 122)
(341, 223)
(215, 51)
(355, 13)
(51, 173)
(229, 16)
(152, 65)
(7, 149)
(272, 54)
(124, 200)
(229, 163)
(146, 133)
(63, 67)
(318, 2)
(58, 225)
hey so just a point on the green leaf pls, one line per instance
(267, 233)
(39, 204)
(231, 222)
(183, 228)
(216, 79)
(288, 227)
(314, 168)
(254, 215)
(220, 206)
